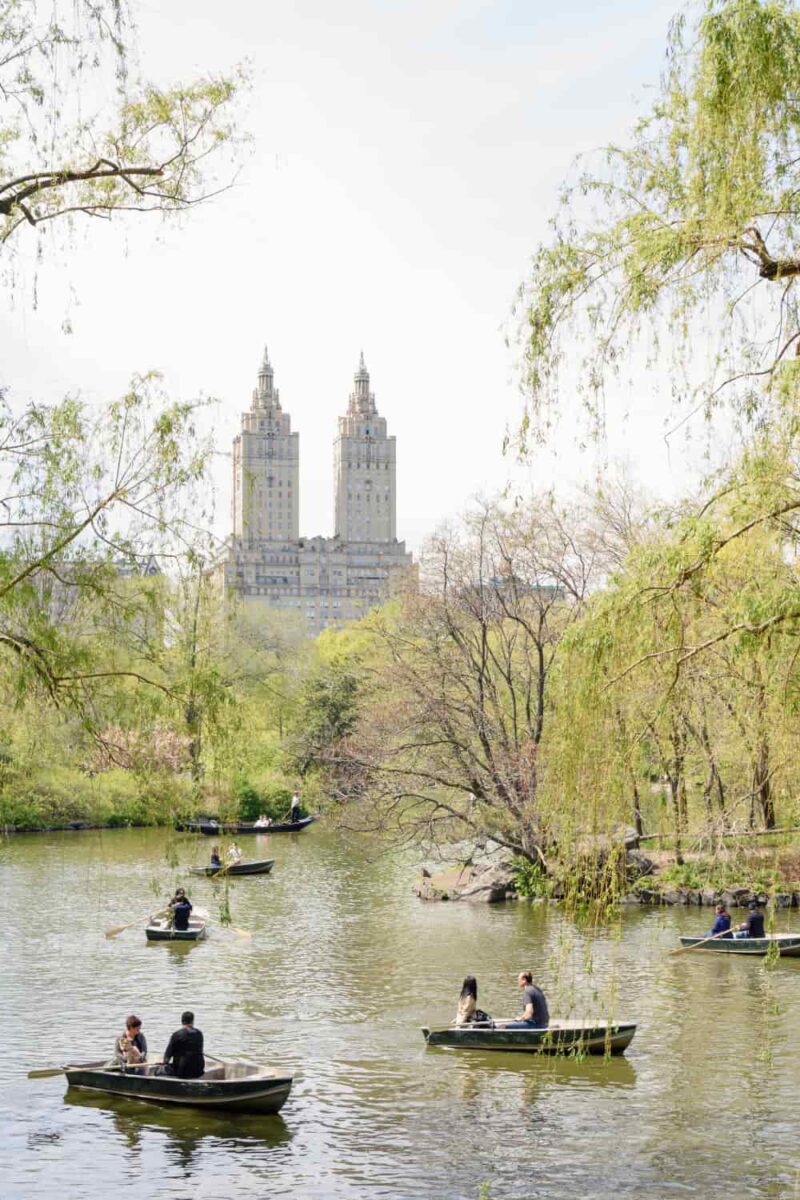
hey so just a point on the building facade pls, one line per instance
(324, 580)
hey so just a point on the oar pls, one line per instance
(233, 928)
(115, 929)
(45, 1073)
(702, 942)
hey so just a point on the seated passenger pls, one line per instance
(131, 1046)
(468, 1011)
(216, 861)
(184, 1054)
(180, 906)
(753, 927)
(262, 821)
(722, 922)
(534, 1011)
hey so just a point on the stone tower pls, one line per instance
(266, 466)
(364, 465)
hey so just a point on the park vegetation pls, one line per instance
(571, 672)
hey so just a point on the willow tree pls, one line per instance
(83, 134)
(688, 234)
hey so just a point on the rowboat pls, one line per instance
(235, 1086)
(788, 945)
(260, 867)
(213, 828)
(561, 1037)
(160, 928)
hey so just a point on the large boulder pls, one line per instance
(486, 883)
(638, 865)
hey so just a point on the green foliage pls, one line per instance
(272, 800)
(147, 149)
(58, 796)
(530, 879)
(689, 229)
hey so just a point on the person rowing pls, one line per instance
(535, 1014)
(234, 853)
(753, 927)
(184, 1053)
(181, 908)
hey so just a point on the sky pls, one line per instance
(404, 160)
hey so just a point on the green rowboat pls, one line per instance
(234, 1086)
(561, 1037)
(788, 945)
(160, 928)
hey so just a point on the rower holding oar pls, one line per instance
(181, 908)
(753, 926)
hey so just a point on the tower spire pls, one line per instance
(362, 400)
(265, 395)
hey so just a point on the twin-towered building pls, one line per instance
(326, 580)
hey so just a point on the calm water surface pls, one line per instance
(344, 967)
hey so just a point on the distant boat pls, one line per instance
(561, 1037)
(160, 928)
(261, 867)
(788, 945)
(235, 1086)
(214, 828)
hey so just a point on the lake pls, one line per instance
(344, 967)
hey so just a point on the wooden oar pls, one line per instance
(233, 928)
(115, 929)
(702, 942)
(45, 1072)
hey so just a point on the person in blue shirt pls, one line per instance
(722, 922)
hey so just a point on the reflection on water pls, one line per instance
(343, 967)
(183, 1130)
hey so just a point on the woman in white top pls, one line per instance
(467, 1001)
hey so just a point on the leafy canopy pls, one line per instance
(80, 133)
(693, 224)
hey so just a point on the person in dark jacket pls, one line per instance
(184, 1054)
(216, 861)
(181, 908)
(722, 922)
(753, 927)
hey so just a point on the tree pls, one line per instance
(454, 710)
(697, 223)
(153, 152)
(87, 498)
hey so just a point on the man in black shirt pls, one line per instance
(753, 927)
(184, 1054)
(534, 1010)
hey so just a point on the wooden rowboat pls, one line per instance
(160, 928)
(213, 828)
(261, 867)
(235, 1086)
(561, 1037)
(788, 945)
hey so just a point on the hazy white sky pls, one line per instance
(406, 157)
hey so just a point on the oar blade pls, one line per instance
(45, 1073)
